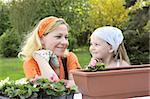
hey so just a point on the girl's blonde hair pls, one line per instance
(32, 42)
(122, 54)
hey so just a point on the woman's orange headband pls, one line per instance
(45, 23)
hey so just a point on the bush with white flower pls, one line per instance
(25, 88)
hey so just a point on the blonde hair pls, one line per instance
(122, 54)
(33, 43)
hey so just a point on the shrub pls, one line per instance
(72, 43)
(9, 43)
(137, 46)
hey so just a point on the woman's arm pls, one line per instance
(45, 69)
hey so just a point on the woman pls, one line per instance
(49, 39)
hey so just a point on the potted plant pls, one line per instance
(38, 89)
(98, 82)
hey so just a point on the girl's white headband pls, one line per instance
(111, 35)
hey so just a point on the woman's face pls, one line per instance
(99, 48)
(57, 40)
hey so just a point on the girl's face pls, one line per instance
(99, 48)
(57, 40)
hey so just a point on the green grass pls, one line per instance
(83, 56)
(13, 67)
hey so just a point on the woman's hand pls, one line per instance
(42, 58)
(69, 83)
(43, 54)
(37, 77)
(39, 56)
(47, 55)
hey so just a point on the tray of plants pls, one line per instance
(39, 89)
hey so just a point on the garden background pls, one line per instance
(18, 17)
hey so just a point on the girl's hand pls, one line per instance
(93, 61)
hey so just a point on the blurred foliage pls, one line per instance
(107, 12)
(29, 12)
(4, 18)
(130, 2)
(22, 15)
(140, 4)
(9, 43)
(137, 46)
(137, 33)
(72, 43)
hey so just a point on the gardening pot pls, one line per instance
(114, 83)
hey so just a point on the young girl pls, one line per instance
(107, 46)
(44, 50)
